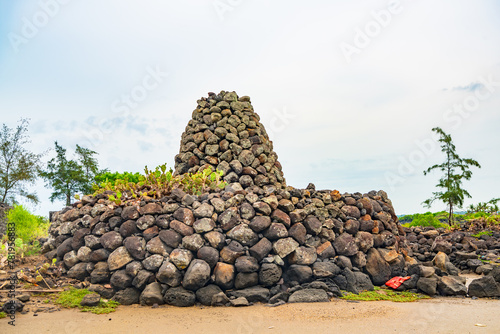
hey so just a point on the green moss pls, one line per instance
(3, 315)
(73, 297)
(102, 308)
(384, 294)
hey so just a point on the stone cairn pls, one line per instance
(225, 134)
(257, 240)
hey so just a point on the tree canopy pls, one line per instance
(69, 177)
(18, 166)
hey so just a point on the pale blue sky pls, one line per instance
(348, 123)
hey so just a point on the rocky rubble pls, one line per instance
(257, 240)
(467, 250)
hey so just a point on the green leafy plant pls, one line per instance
(384, 294)
(3, 315)
(159, 183)
(22, 249)
(107, 176)
(73, 297)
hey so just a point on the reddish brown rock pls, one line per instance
(224, 275)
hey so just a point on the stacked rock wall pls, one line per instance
(257, 238)
(232, 240)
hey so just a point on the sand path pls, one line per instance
(438, 315)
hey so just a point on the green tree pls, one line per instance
(90, 167)
(455, 170)
(18, 166)
(68, 177)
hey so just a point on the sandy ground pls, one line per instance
(438, 315)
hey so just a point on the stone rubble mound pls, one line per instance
(258, 240)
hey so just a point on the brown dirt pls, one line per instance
(438, 315)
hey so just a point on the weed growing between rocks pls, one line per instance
(73, 297)
(384, 294)
(479, 234)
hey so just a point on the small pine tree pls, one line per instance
(455, 170)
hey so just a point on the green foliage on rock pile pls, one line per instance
(109, 177)
(159, 183)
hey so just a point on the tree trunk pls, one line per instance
(450, 215)
(68, 199)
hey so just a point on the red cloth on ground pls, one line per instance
(395, 282)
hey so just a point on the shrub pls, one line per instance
(426, 219)
(29, 227)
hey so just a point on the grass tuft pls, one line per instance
(73, 297)
(479, 234)
(384, 294)
(3, 315)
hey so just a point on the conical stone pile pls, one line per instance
(226, 134)
(257, 240)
